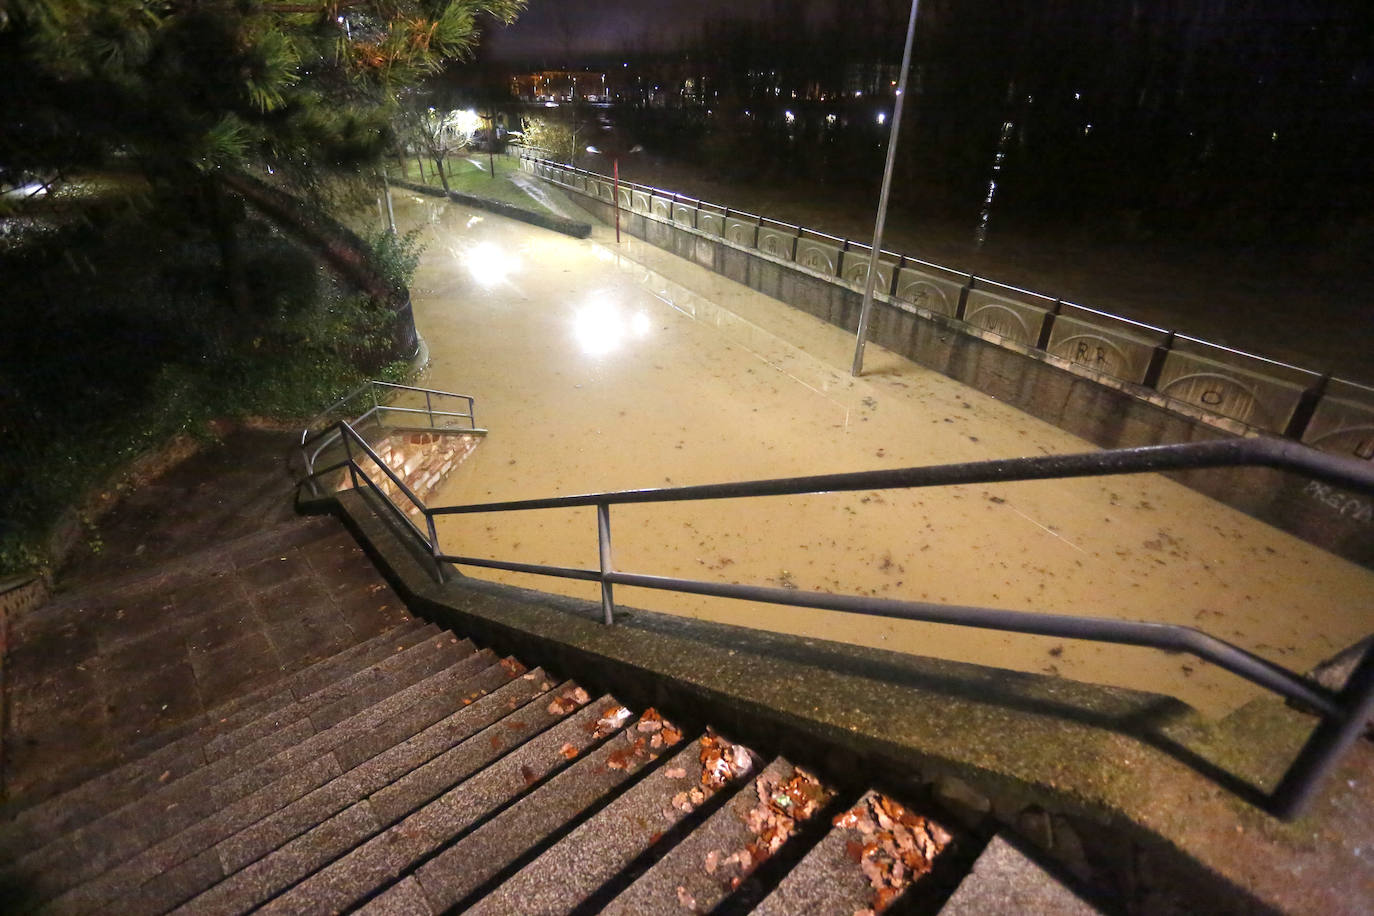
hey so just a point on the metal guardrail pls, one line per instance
(1343, 713)
(1264, 393)
(320, 433)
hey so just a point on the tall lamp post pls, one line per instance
(880, 221)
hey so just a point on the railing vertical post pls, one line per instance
(348, 450)
(429, 407)
(434, 545)
(1328, 743)
(472, 412)
(603, 540)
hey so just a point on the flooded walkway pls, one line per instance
(598, 366)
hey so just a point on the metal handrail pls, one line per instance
(1343, 713)
(329, 434)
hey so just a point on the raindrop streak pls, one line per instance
(981, 235)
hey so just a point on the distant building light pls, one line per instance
(789, 116)
(1077, 96)
(882, 117)
(830, 119)
(1087, 129)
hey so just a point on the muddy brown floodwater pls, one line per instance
(598, 366)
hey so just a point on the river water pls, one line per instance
(598, 366)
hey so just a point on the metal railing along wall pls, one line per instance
(1343, 714)
(1274, 396)
(399, 407)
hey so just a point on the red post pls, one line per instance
(615, 170)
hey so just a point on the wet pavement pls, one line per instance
(598, 366)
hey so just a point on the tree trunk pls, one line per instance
(439, 167)
(335, 244)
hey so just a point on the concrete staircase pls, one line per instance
(415, 772)
(257, 725)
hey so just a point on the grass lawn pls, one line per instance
(467, 173)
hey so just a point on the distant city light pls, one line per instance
(830, 119)
(789, 116)
(882, 117)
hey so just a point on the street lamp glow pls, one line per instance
(882, 117)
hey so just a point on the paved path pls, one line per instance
(605, 367)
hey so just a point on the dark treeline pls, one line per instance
(1236, 120)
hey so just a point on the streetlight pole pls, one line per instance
(879, 222)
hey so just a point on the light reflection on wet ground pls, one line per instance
(603, 368)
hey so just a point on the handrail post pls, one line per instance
(603, 540)
(429, 407)
(472, 412)
(1328, 743)
(348, 450)
(434, 545)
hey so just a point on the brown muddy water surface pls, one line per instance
(600, 367)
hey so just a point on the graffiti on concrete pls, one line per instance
(1348, 506)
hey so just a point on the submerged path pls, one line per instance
(599, 366)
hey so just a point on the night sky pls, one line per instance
(558, 28)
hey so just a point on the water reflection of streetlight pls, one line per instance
(489, 264)
(600, 328)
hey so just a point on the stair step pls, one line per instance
(709, 863)
(375, 773)
(872, 855)
(423, 831)
(44, 822)
(97, 847)
(404, 652)
(344, 698)
(575, 868)
(458, 802)
(405, 899)
(388, 698)
(462, 869)
(244, 728)
(318, 789)
(1006, 880)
